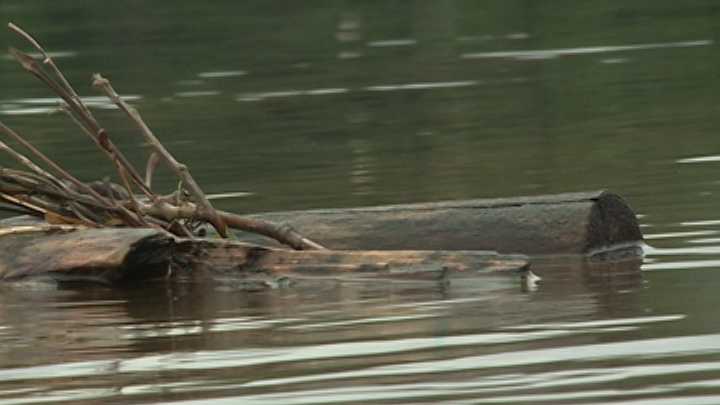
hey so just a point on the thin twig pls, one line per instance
(16, 209)
(20, 229)
(27, 184)
(150, 167)
(50, 62)
(77, 209)
(23, 160)
(23, 204)
(54, 166)
(31, 65)
(77, 111)
(282, 233)
(59, 196)
(131, 197)
(85, 214)
(180, 169)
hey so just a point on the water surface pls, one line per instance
(351, 103)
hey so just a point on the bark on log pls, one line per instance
(573, 223)
(218, 257)
(68, 253)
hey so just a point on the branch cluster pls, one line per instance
(43, 188)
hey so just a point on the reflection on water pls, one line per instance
(343, 343)
(358, 103)
(554, 53)
(49, 105)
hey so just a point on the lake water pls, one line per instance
(351, 103)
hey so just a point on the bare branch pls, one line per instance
(52, 192)
(282, 233)
(50, 62)
(27, 162)
(152, 164)
(54, 166)
(134, 205)
(180, 169)
(78, 111)
(21, 203)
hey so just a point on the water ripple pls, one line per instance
(640, 349)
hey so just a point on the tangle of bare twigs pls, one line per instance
(44, 189)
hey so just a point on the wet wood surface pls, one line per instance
(110, 255)
(416, 241)
(562, 224)
(69, 253)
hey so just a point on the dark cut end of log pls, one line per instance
(612, 223)
(563, 224)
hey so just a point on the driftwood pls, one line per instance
(72, 253)
(565, 224)
(108, 232)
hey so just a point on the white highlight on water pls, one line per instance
(222, 74)
(700, 159)
(392, 42)
(554, 53)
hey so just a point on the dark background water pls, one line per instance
(349, 103)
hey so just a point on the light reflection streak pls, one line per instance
(49, 105)
(289, 93)
(710, 222)
(200, 93)
(672, 235)
(643, 348)
(222, 74)
(54, 55)
(554, 53)
(700, 159)
(599, 323)
(706, 250)
(249, 97)
(705, 240)
(681, 265)
(423, 86)
(392, 42)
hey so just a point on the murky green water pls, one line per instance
(347, 103)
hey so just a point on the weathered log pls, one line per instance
(573, 223)
(229, 257)
(69, 253)
(109, 255)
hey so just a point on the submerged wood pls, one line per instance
(563, 224)
(110, 255)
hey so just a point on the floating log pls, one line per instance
(406, 241)
(563, 224)
(110, 255)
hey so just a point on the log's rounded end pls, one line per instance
(612, 223)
